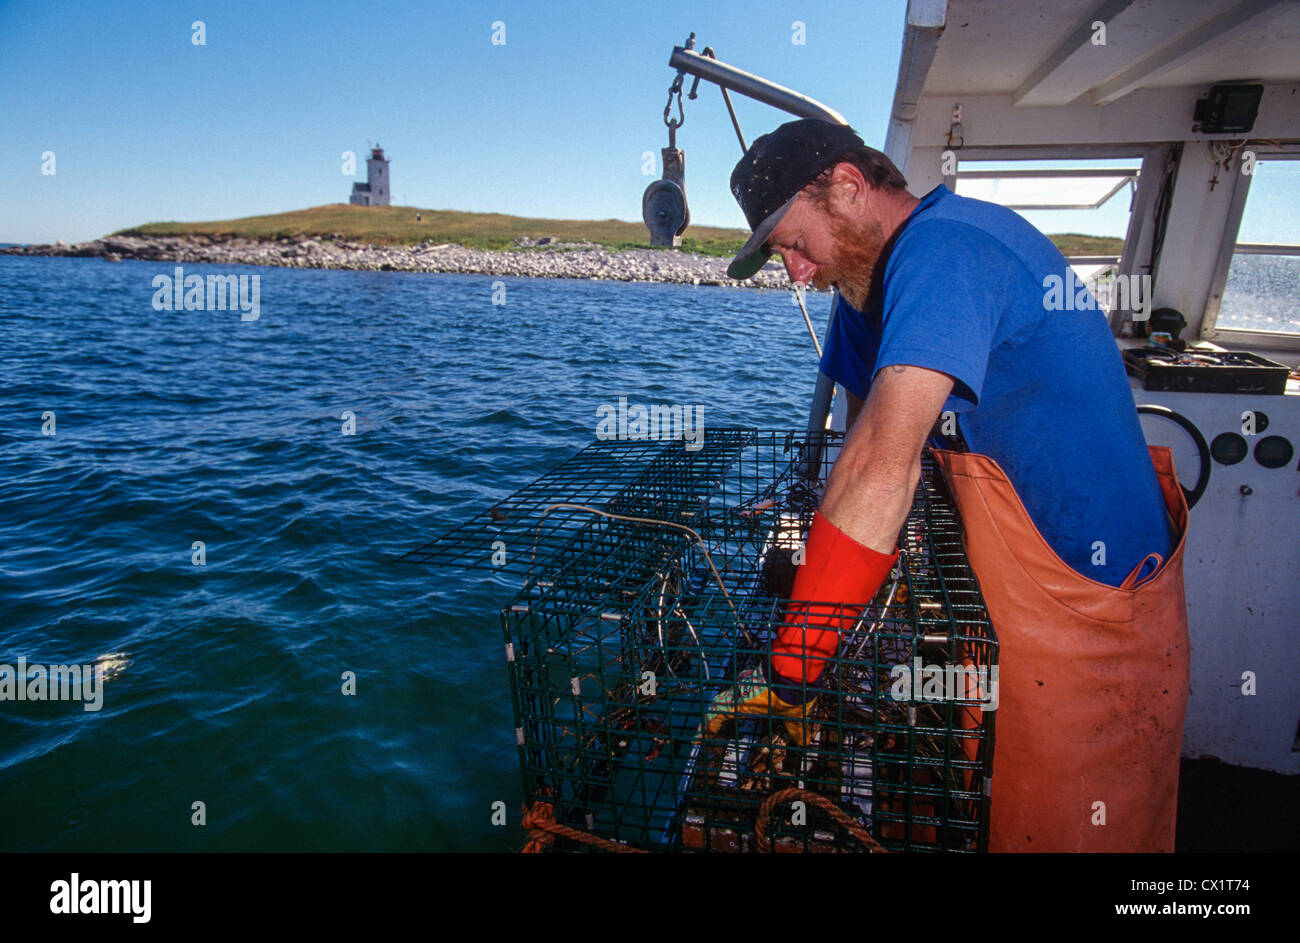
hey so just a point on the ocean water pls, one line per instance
(226, 678)
(1262, 293)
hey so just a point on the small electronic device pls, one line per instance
(1228, 109)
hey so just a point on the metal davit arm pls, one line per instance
(686, 60)
(751, 86)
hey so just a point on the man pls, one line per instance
(1072, 526)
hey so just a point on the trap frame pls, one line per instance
(655, 580)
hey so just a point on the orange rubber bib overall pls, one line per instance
(1092, 679)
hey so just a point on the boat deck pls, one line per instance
(1224, 808)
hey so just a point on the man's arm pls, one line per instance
(870, 489)
(851, 543)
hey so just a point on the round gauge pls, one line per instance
(1228, 448)
(1273, 451)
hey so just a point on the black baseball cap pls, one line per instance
(775, 168)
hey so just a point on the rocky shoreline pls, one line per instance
(542, 258)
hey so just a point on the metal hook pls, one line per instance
(955, 129)
(681, 113)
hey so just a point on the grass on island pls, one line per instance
(398, 226)
(1073, 243)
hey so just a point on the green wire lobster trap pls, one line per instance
(655, 577)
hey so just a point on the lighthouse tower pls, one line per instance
(376, 191)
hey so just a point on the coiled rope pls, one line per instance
(539, 819)
(842, 818)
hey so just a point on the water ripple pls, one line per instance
(187, 428)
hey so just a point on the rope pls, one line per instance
(726, 97)
(842, 818)
(798, 296)
(586, 508)
(539, 819)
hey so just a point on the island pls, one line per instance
(411, 239)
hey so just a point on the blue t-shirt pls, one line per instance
(1041, 392)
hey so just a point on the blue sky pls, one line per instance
(146, 126)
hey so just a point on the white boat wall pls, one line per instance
(1029, 80)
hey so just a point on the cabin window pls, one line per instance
(1261, 290)
(1081, 204)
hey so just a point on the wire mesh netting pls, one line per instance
(656, 578)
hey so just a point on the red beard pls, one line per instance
(857, 250)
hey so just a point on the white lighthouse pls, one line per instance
(376, 191)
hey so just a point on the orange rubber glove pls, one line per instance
(836, 570)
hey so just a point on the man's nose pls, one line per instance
(798, 268)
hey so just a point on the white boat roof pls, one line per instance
(1040, 72)
(1077, 79)
(1044, 53)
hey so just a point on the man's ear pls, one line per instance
(848, 186)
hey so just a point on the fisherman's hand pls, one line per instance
(752, 696)
(838, 576)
